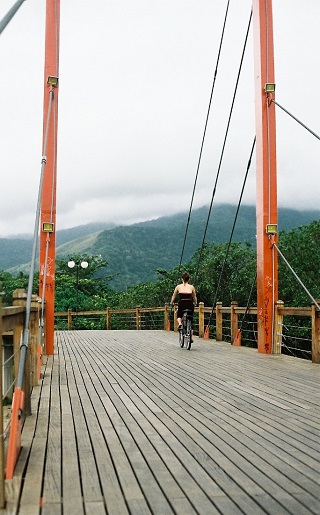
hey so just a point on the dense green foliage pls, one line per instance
(301, 248)
(9, 283)
(81, 289)
(218, 278)
(215, 277)
(135, 252)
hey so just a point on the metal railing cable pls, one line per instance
(232, 230)
(297, 277)
(25, 339)
(204, 136)
(10, 14)
(223, 148)
(296, 119)
(248, 302)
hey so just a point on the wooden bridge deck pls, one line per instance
(127, 422)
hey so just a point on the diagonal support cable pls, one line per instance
(296, 276)
(10, 14)
(296, 119)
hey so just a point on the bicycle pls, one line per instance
(185, 333)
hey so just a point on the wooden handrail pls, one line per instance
(12, 325)
(234, 311)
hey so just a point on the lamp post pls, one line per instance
(77, 264)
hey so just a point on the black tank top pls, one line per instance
(185, 296)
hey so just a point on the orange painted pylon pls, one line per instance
(14, 446)
(266, 171)
(237, 339)
(206, 334)
(48, 197)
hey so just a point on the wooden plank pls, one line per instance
(52, 486)
(148, 427)
(90, 483)
(71, 483)
(32, 485)
(203, 501)
(165, 479)
(107, 477)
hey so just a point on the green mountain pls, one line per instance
(135, 251)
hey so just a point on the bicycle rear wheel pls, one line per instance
(188, 335)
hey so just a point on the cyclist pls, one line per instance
(187, 297)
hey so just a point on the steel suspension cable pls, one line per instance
(223, 147)
(296, 119)
(204, 135)
(232, 231)
(10, 14)
(296, 276)
(25, 340)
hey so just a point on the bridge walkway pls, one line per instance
(128, 422)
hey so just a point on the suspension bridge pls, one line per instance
(127, 422)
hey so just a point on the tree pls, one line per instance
(9, 283)
(224, 279)
(300, 247)
(92, 284)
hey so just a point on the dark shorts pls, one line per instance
(185, 304)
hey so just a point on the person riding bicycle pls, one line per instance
(187, 297)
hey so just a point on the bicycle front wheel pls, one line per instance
(181, 338)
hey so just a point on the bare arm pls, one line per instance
(174, 295)
(194, 295)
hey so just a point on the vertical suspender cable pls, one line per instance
(232, 231)
(204, 135)
(223, 148)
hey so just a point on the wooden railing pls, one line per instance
(224, 322)
(12, 324)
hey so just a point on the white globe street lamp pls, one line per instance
(77, 264)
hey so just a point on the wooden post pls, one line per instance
(218, 322)
(315, 317)
(19, 297)
(201, 319)
(2, 491)
(108, 319)
(69, 319)
(234, 320)
(166, 321)
(175, 323)
(138, 321)
(278, 324)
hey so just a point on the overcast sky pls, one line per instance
(135, 83)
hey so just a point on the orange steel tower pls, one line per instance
(48, 200)
(266, 198)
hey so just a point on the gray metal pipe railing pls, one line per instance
(10, 14)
